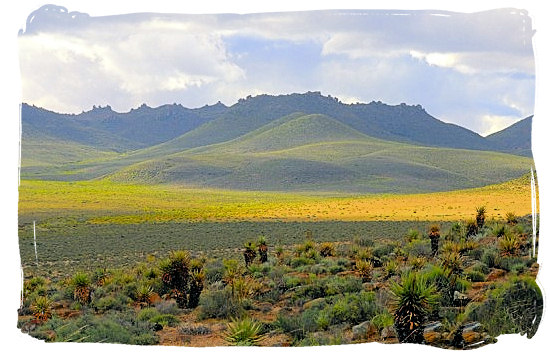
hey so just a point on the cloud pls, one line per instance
(460, 67)
(495, 123)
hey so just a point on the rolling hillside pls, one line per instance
(296, 142)
(514, 139)
(317, 153)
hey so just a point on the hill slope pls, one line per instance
(317, 153)
(515, 138)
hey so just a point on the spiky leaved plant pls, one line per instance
(481, 213)
(144, 294)
(262, 249)
(41, 309)
(82, 290)
(471, 228)
(196, 285)
(511, 218)
(509, 245)
(175, 275)
(327, 249)
(434, 235)
(391, 268)
(364, 268)
(413, 300)
(249, 253)
(232, 271)
(244, 332)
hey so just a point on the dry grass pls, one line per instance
(109, 202)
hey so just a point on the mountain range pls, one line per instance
(295, 142)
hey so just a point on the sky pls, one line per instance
(476, 70)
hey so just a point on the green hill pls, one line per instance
(318, 153)
(515, 138)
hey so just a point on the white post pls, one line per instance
(34, 232)
(534, 211)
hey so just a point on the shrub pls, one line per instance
(490, 257)
(291, 325)
(167, 307)
(383, 250)
(147, 314)
(512, 307)
(474, 276)
(301, 261)
(111, 302)
(214, 271)
(500, 230)
(412, 235)
(351, 308)
(194, 330)
(219, 304)
(244, 332)
(120, 327)
(455, 233)
(382, 320)
(419, 248)
(363, 241)
(165, 320)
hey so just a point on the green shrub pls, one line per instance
(382, 320)
(351, 308)
(363, 241)
(412, 235)
(291, 325)
(214, 271)
(291, 281)
(115, 327)
(219, 304)
(165, 320)
(146, 314)
(167, 307)
(111, 302)
(474, 276)
(512, 307)
(419, 248)
(383, 250)
(301, 261)
(491, 257)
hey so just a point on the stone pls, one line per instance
(433, 333)
(389, 335)
(460, 299)
(365, 330)
(495, 274)
(473, 333)
(313, 302)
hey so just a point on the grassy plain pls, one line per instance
(107, 202)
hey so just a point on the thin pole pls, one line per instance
(534, 211)
(34, 232)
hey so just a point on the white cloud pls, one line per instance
(494, 123)
(460, 67)
(128, 66)
(479, 62)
